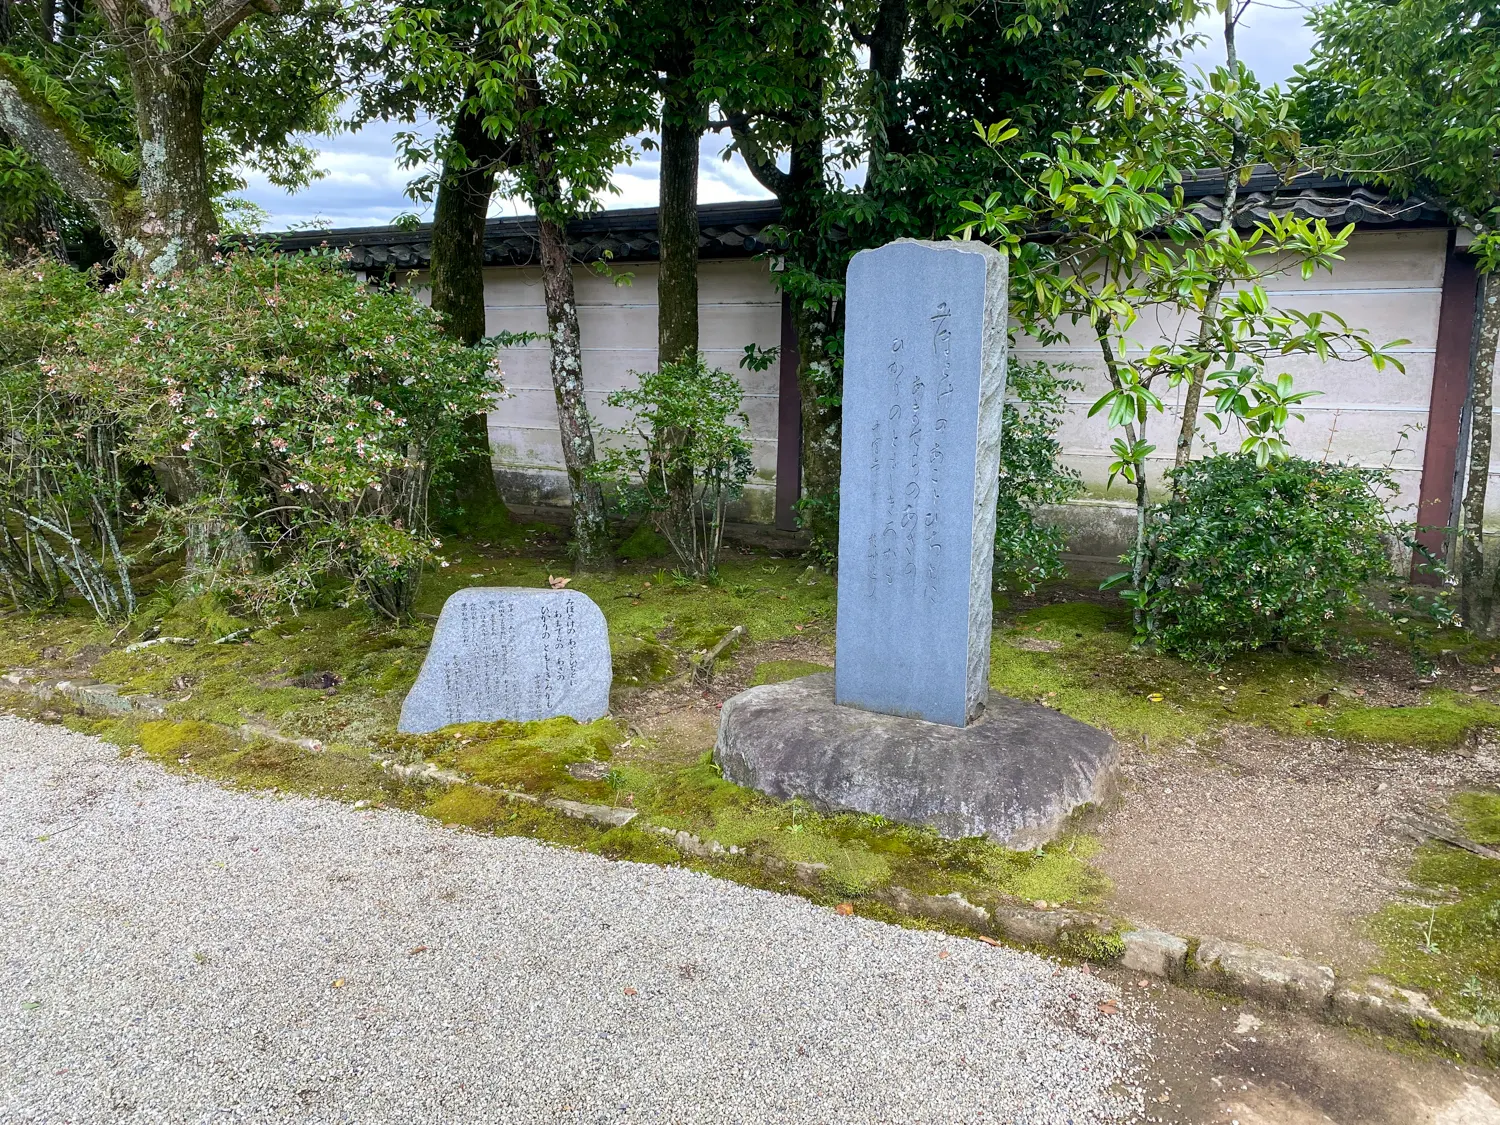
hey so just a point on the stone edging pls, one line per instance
(1288, 983)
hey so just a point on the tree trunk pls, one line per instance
(1210, 313)
(1138, 560)
(463, 204)
(176, 227)
(592, 552)
(683, 120)
(463, 201)
(887, 57)
(1475, 603)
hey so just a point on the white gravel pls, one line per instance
(172, 951)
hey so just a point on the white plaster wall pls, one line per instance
(1389, 283)
(737, 306)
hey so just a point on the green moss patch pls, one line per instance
(526, 757)
(174, 741)
(779, 671)
(1450, 946)
(1078, 657)
(1444, 719)
(643, 543)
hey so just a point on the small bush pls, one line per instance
(1028, 553)
(62, 488)
(1244, 556)
(683, 457)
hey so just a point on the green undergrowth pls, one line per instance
(1078, 658)
(332, 673)
(1449, 944)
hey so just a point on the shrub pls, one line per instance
(1028, 553)
(293, 415)
(682, 457)
(63, 485)
(1244, 556)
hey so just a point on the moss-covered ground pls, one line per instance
(1450, 945)
(332, 674)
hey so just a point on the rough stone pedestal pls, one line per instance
(1013, 775)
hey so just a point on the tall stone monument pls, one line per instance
(907, 726)
(512, 652)
(924, 391)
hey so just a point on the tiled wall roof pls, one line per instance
(740, 230)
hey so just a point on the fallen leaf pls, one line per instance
(987, 940)
(631, 992)
(557, 583)
(844, 908)
(339, 983)
(1108, 1007)
(415, 950)
(1156, 697)
(797, 627)
(1322, 700)
(943, 955)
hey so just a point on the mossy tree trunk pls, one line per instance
(1476, 604)
(683, 121)
(473, 161)
(162, 217)
(591, 547)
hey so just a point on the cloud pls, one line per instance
(1271, 39)
(364, 185)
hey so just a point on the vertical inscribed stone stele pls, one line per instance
(512, 652)
(924, 388)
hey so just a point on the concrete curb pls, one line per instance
(103, 698)
(1290, 983)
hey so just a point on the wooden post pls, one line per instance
(788, 425)
(1450, 387)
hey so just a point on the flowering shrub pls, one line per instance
(293, 416)
(1245, 556)
(61, 488)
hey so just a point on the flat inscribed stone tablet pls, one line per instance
(924, 391)
(512, 652)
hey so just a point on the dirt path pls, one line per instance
(1280, 842)
(1218, 1062)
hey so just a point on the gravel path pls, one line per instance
(173, 951)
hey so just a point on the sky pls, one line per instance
(363, 185)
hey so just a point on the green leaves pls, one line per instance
(683, 455)
(1408, 92)
(1250, 552)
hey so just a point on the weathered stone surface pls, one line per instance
(508, 652)
(589, 770)
(949, 909)
(1070, 930)
(1287, 982)
(1152, 951)
(600, 814)
(1382, 1006)
(924, 384)
(1014, 775)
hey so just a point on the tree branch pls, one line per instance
(762, 166)
(73, 160)
(226, 15)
